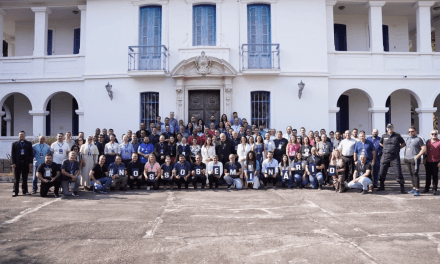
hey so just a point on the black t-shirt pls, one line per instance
(391, 143)
(233, 169)
(99, 172)
(305, 151)
(198, 168)
(135, 169)
(167, 171)
(52, 168)
(361, 169)
(280, 147)
(316, 159)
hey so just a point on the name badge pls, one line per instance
(280, 146)
(312, 168)
(161, 151)
(89, 154)
(251, 176)
(126, 152)
(47, 173)
(61, 151)
(41, 155)
(216, 170)
(323, 150)
(151, 177)
(71, 172)
(270, 171)
(286, 174)
(331, 170)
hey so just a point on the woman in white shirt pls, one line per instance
(242, 150)
(208, 151)
(111, 149)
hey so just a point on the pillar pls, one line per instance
(2, 14)
(1, 116)
(39, 122)
(180, 103)
(227, 93)
(8, 125)
(80, 114)
(332, 119)
(423, 19)
(437, 37)
(330, 25)
(426, 121)
(82, 44)
(375, 25)
(378, 118)
(40, 30)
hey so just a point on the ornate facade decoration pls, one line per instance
(203, 64)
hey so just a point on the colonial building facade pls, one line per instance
(362, 63)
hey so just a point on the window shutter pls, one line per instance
(211, 26)
(49, 41)
(386, 38)
(197, 25)
(76, 40)
(204, 25)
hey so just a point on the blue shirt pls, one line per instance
(145, 149)
(182, 169)
(171, 128)
(126, 151)
(39, 152)
(184, 150)
(376, 144)
(114, 169)
(366, 148)
(173, 122)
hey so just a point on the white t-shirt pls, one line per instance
(347, 147)
(59, 151)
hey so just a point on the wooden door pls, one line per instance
(202, 104)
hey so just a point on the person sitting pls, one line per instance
(99, 176)
(70, 174)
(362, 176)
(118, 173)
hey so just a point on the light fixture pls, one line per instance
(108, 87)
(75, 12)
(301, 86)
(436, 8)
(341, 8)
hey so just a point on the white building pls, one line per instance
(363, 63)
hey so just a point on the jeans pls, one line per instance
(413, 171)
(375, 171)
(201, 179)
(229, 180)
(317, 179)
(431, 173)
(106, 181)
(74, 185)
(35, 178)
(289, 181)
(362, 183)
(299, 181)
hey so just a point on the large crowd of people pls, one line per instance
(222, 152)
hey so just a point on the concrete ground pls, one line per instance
(205, 226)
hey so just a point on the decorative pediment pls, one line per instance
(203, 66)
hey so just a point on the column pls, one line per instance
(378, 118)
(426, 121)
(1, 116)
(375, 25)
(180, 100)
(437, 36)
(8, 125)
(423, 18)
(82, 45)
(40, 30)
(332, 119)
(2, 14)
(39, 122)
(80, 114)
(330, 26)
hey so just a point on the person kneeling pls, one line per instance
(152, 172)
(134, 171)
(70, 174)
(167, 173)
(215, 169)
(233, 173)
(49, 175)
(99, 176)
(363, 182)
(118, 173)
(198, 171)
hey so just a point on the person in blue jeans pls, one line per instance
(376, 140)
(233, 173)
(299, 171)
(285, 168)
(99, 177)
(315, 165)
(40, 150)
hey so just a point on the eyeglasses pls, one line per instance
(411, 131)
(434, 134)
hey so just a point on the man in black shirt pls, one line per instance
(134, 171)
(362, 176)
(22, 159)
(99, 176)
(315, 165)
(198, 171)
(154, 137)
(161, 150)
(100, 144)
(233, 173)
(280, 147)
(49, 175)
(142, 128)
(224, 149)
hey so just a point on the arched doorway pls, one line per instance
(402, 105)
(353, 111)
(17, 107)
(62, 116)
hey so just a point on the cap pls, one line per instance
(390, 126)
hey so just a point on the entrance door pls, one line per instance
(203, 104)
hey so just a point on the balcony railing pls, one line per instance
(147, 58)
(260, 56)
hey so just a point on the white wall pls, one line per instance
(359, 117)
(401, 111)
(358, 33)
(22, 119)
(24, 38)
(61, 113)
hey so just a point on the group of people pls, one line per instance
(232, 153)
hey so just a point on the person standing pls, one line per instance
(126, 150)
(161, 150)
(324, 150)
(68, 140)
(49, 175)
(111, 150)
(378, 148)
(347, 147)
(135, 142)
(391, 142)
(90, 155)
(280, 146)
(432, 159)
(173, 121)
(225, 148)
(145, 149)
(59, 150)
(100, 144)
(40, 150)
(70, 174)
(414, 150)
(22, 159)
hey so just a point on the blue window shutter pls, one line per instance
(386, 38)
(340, 37)
(150, 34)
(76, 40)
(204, 25)
(259, 32)
(49, 41)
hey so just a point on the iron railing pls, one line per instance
(147, 58)
(260, 56)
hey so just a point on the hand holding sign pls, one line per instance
(251, 176)
(332, 170)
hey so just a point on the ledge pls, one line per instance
(147, 73)
(261, 71)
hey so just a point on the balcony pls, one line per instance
(384, 63)
(147, 60)
(261, 59)
(31, 67)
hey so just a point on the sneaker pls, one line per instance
(416, 193)
(56, 195)
(104, 192)
(148, 188)
(75, 194)
(364, 191)
(412, 191)
(95, 191)
(320, 187)
(229, 187)
(34, 192)
(425, 191)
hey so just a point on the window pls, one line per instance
(76, 40)
(259, 36)
(340, 37)
(150, 38)
(386, 38)
(260, 109)
(49, 42)
(149, 107)
(204, 25)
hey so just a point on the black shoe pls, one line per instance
(425, 191)
(381, 188)
(364, 191)
(14, 195)
(123, 189)
(434, 192)
(375, 186)
(229, 187)
(402, 188)
(112, 188)
(27, 193)
(320, 187)
(361, 191)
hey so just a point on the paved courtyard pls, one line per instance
(205, 226)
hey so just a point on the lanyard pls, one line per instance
(71, 165)
(41, 148)
(22, 144)
(152, 166)
(270, 164)
(90, 146)
(60, 145)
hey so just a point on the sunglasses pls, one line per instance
(411, 131)
(434, 134)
